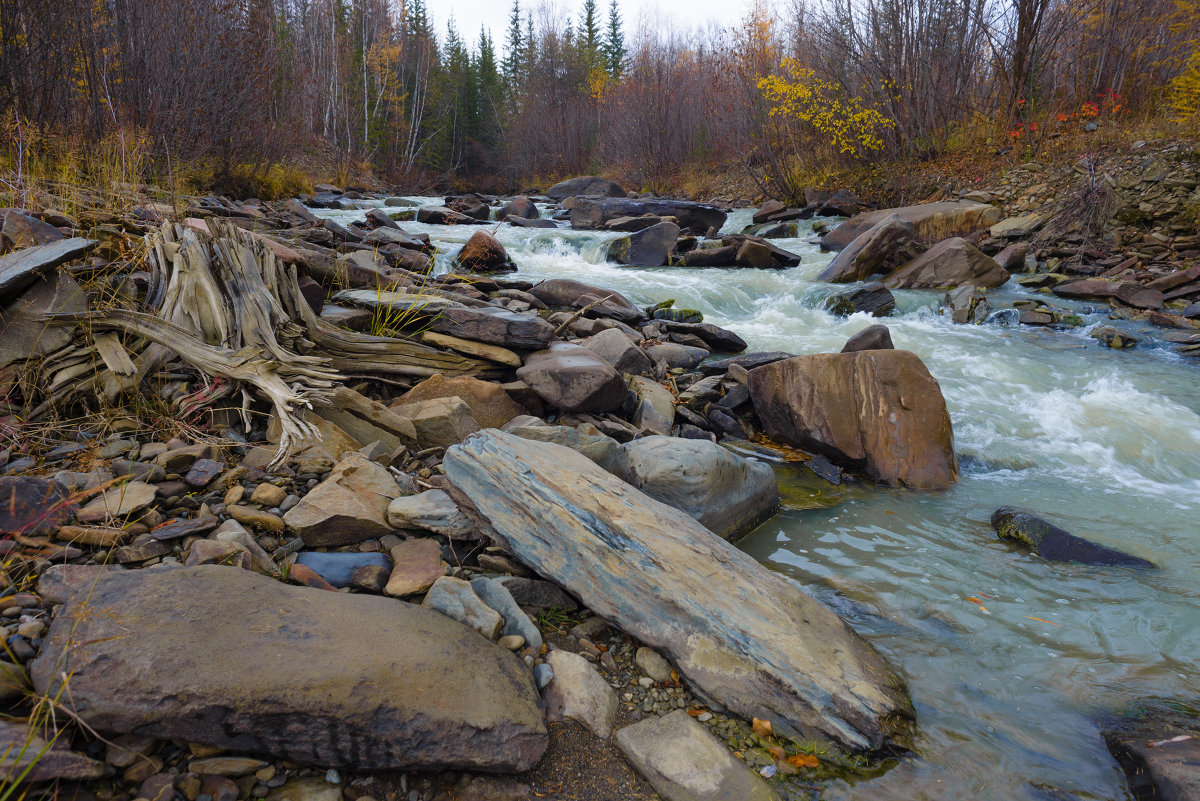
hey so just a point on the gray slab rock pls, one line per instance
(24, 333)
(654, 409)
(616, 348)
(439, 422)
(23, 267)
(24, 753)
(495, 326)
(740, 634)
(684, 762)
(585, 439)
(579, 692)
(349, 506)
(456, 599)
(726, 493)
(646, 248)
(234, 660)
(431, 510)
(496, 595)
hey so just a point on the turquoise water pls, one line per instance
(1104, 443)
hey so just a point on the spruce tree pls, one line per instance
(589, 32)
(514, 48)
(613, 49)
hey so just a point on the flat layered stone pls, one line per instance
(930, 221)
(234, 660)
(740, 634)
(495, 326)
(23, 267)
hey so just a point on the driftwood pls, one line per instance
(226, 306)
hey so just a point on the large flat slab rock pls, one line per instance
(235, 660)
(495, 326)
(950, 263)
(595, 212)
(21, 268)
(741, 635)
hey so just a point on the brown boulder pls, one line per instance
(930, 221)
(876, 250)
(349, 506)
(951, 262)
(483, 253)
(879, 411)
(572, 378)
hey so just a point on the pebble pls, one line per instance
(268, 495)
(543, 674)
(513, 642)
(333, 777)
(234, 494)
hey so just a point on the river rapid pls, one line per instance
(1008, 687)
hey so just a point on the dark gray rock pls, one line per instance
(872, 298)
(564, 292)
(495, 326)
(23, 267)
(234, 660)
(1053, 543)
(585, 185)
(573, 378)
(1159, 750)
(440, 215)
(715, 338)
(646, 248)
(595, 212)
(749, 361)
(24, 332)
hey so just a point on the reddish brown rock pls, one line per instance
(490, 405)
(483, 253)
(879, 411)
(950, 263)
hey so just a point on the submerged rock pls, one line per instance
(1053, 543)
(873, 298)
(879, 411)
(740, 634)
(231, 659)
(1159, 750)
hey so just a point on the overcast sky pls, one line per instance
(470, 14)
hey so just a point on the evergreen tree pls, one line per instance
(614, 44)
(589, 32)
(514, 47)
(490, 93)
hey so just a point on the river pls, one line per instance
(1007, 687)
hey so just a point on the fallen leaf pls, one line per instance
(695, 711)
(979, 603)
(762, 728)
(776, 752)
(1041, 620)
(803, 761)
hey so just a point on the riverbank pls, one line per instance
(541, 253)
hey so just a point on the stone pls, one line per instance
(871, 298)
(1018, 227)
(728, 494)
(715, 338)
(309, 788)
(225, 766)
(23, 267)
(14, 682)
(1113, 337)
(416, 564)
(652, 664)
(24, 333)
(767, 210)
(746, 361)
(879, 249)
(579, 692)
(19, 230)
(646, 248)
(24, 754)
(439, 422)
(967, 305)
(584, 185)
(564, 292)
(365, 421)
(529, 592)
(574, 379)
(481, 350)
(879, 411)
(516, 622)
(490, 405)
(483, 253)
(682, 761)
(347, 507)
(754, 643)
(673, 355)
(1012, 258)
(339, 568)
(456, 599)
(440, 215)
(873, 337)
(268, 495)
(654, 406)
(33, 506)
(122, 500)
(521, 207)
(1053, 543)
(257, 519)
(616, 348)
(215, 552)
(330, 680)
(495, 326)
(203, 472)
(1159, 751)
(1087, 289)
(950, 263)
(431, 510)
(1139, 297)
(585, 439)
(595, 212)
(930, 221)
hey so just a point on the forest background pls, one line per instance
(262, 97)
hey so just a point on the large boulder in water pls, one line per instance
(878, 411)
(572, 378)
(594, 212)
(950, 263)
(726, 493)
(483, 253)
(877, 250)
(1053, 543)
(231, 659)
(567, 293)
(740, 635)
(930, 221)
(585, 185)
(645, 248)
(521, 207)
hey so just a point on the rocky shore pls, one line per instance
(287, 516)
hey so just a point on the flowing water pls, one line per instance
(1104, 443)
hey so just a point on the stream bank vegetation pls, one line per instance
(261, 98)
